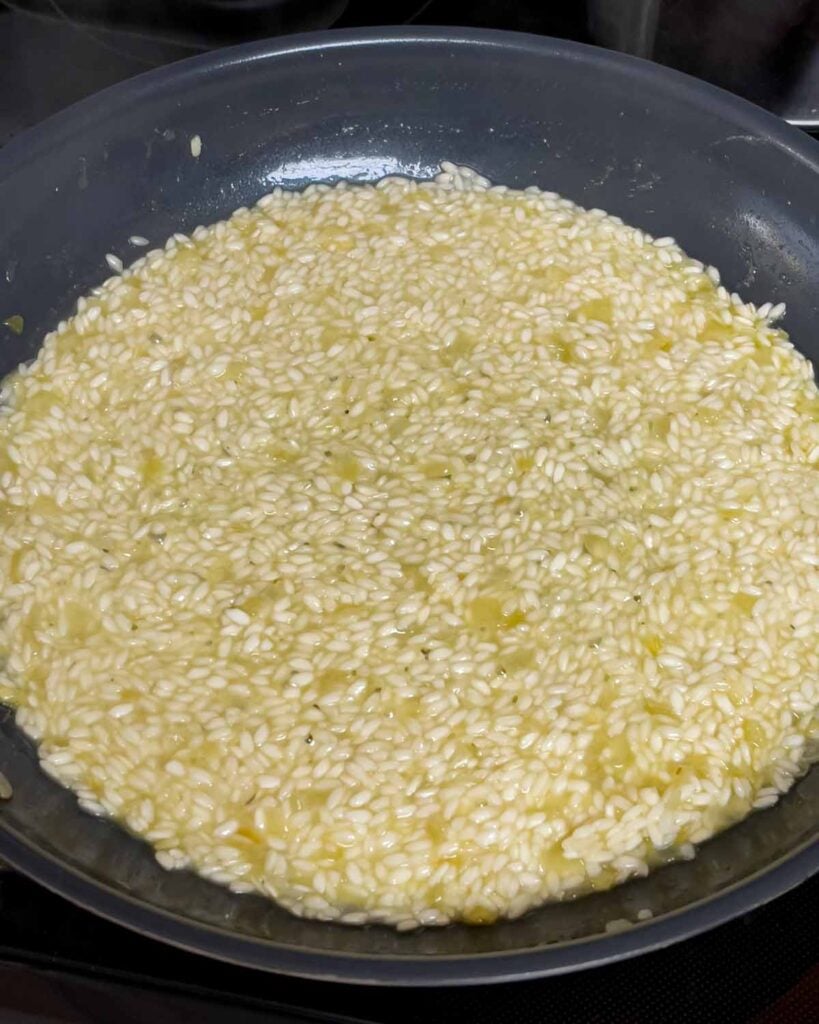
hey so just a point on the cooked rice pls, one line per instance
(414, 552)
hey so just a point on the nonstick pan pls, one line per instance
(735, 186)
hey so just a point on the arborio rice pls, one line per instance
(414, 552)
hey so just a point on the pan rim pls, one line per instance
(19, 149)
(413, 970)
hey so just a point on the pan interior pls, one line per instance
(734, 188)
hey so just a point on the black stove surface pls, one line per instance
(60, 964)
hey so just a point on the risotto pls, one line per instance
(414, 552)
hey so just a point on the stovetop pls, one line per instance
(60, 964)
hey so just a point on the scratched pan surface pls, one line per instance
(737, 188)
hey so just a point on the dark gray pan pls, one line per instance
(737, 187)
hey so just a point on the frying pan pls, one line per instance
(735, 186)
